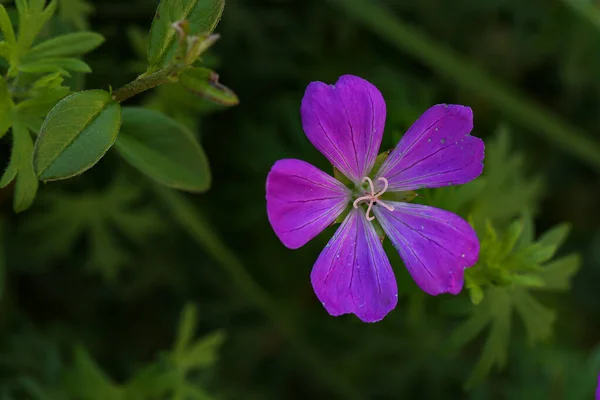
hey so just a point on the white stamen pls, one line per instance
(373, 197)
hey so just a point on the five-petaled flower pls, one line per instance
(345, 122)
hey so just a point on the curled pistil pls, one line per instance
(373, 197)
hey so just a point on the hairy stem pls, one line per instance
(143, 83)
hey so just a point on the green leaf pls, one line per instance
(6, 27)
(187, 326)
(203, 352)
(557, 274)
(5, 51)
(32, 19)
(538, 319)
(202, 15)
(545, 248)
(205, 83)
(495, 347)
(21, 167)
(44, 94)
(152, 382)
(62, 65)
(163, 149)
(76, 134)
(86, 381)
(113, 221)
(71, 44)
(76, 12)
(6, 107)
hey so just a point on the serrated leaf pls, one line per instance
(163, 149)
(76, 134)
(21, 167)
(204, 82)
(202, 15)
(69, 45)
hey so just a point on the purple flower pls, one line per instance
(345, 122)
(598, 388)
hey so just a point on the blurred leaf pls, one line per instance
(6, 27)
(32, 18)
(76, 12)
(153, 381)
(557, 274)
(163, 149)
(507, 268)
(187, 326)
(71, 44)
(6, 107)
(62, 65)
(43, 96)
(201, 353)
(76, 134)
(202, 15)
(205, 83)
(21, 167)
(495, 347)
(110, 220)
(86, 381)
(538, 319)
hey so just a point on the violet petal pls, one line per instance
(302, 200)
(353, 273)
(435, 245)
(436, 151)
(345, 122)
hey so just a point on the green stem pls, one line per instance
(450, 65)
(191, 219)
(143, 83)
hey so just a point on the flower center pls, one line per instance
(373, 197)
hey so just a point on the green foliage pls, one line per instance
(75, 12)
(20, 167)
(510, 265)
(166, 377)
(76, 134)
(202, 17)
(163, 149)
(100, 217)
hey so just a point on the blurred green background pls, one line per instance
(104, 263)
